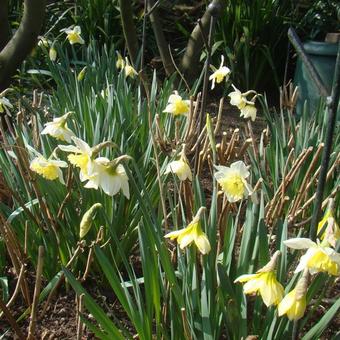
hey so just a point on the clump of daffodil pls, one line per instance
(233, 181)
(180, 167)
(110, 176)
(74, 35)
(129, 70)
(58, 128)
(247, 107)
(48, 168)
(82, 155)
(87, 219)
(264, 282)
(120, 63)
(177, 106)
(328, 228)
(294, 303)
(319, 257)
(219, 74)
(4, 104)
(192, 233)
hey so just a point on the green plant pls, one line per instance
(321, 17)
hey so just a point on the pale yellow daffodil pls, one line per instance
(233, 181)
(264, 282)
(74, 35)
(249, 111)
(81, 156)
(177, 106)
(109, 176)
(331, 230)
(120, 63)
(247, 107)
(48, 168)
(192, 233)
(319, 257)
(58, 128)
(219, 74)
(129, 70)
(180, 167)
(236, 98)
(294, 303)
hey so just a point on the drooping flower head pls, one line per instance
(329, 228)
(233, 181)
(58, 128)
(74, 35)
(177, 106)
(110, 176)
(48, 168)
(180, 167)
(264, 282)
(247, 107)
(219, 74)
(192, 233)
(294, 303)
(319, 257)
(129, 70)
(120, 63)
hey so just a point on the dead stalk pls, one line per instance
(33, 319)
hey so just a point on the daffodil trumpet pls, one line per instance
(264, 282)
(192, 234)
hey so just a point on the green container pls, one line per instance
(323, 57)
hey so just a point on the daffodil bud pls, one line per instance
(86, 221)
(81, 74)
(52, 54)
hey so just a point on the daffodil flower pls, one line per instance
(81, 156)
(4, 103)
(177, 106)
(264, 282)
(192, 233)
(43, 42)
(180, 167)
(74, 35)
(247, 107)
(120, 63)
(129, 70)
(48, 168)
(249, 111)
(233, 181)
(294, 303)
(219, 74)
(58, 128)
(236, 98)
(319, 257)
(331, 230)
(109, 176)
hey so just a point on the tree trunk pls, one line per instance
(160, 39)
(23, 41)
(191, 57)
(5, 31)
